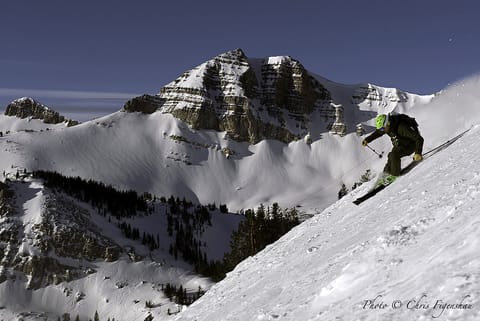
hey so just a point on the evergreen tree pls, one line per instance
(256, 231)
(366, 177)
(343, 191)
(223, 208)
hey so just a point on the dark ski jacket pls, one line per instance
(401, 133)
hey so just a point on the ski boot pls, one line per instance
(385, 179)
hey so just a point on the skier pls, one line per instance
(406, 139)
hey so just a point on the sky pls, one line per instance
(87, 58)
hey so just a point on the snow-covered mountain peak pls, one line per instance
(27, 107)
(252, 99)
(28, 100)
(222, 73)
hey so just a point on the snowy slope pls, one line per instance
(15, 124)
(402, 255)
(117, 289)
(162, 155)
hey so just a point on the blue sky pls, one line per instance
(90, 56)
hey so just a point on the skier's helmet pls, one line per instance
(381, 121)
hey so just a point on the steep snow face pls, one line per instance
(410, 253)
(160, 154)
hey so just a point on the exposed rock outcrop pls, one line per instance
(338, 127)
(250, 99)
(61, 232)
(146, 104)
(67, 230)
(372, 93)
(271, 98)
(28, 107)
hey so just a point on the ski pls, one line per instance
(369, 194)
(409, 167)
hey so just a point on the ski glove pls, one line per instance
(417, 157)
(364, 143)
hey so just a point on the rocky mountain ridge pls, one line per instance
(37, 246)
(253, 99)
(28, 107)
(250, 99)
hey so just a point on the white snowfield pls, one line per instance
(159, 154)
(409, 253)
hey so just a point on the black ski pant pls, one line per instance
(394, 162)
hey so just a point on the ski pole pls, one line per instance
(373, 150)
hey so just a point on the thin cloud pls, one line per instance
(78, 105)
(64, 94)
